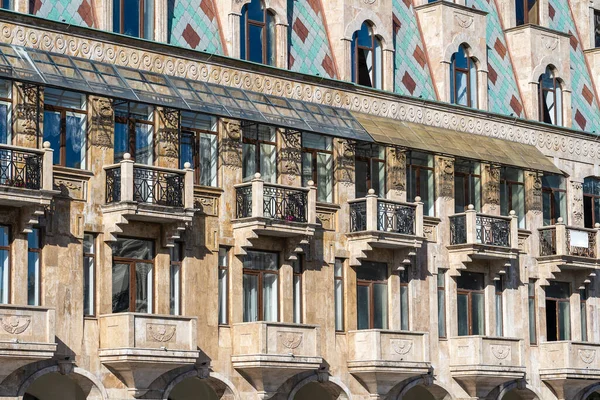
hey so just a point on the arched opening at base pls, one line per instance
(313, 391)
(193, 389)
(593, 396)
(418, 393)
(54, 386)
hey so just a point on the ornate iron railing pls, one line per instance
(492, 231)
(158, 187)
(547, 242)
(113, 184)
(394, 217)
(589, 251)
(243, 196)
(458, 229)
(20, 169)
(358, 216)
(285, 204)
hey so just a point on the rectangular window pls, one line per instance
(512, 193)
(34, 255)
(65, 119)
(470, 286)
(298, 270)
(419, 176)
(369, 169)
(259, 152)
(6, 4)
(339, 293)
(223, 285)
(558, 318)
(133, 275)
(499, 289)
(596, 28)
(199, 146)
(583, 295)
(5, 112)
(4, 264)
(404, 306)
(89, 273)
(260, 286)
(554, 198)
(134, 132)
(372, 295)
(467, 185)
(317, 164)
(531, 307)
(175, 279)
(526, 12)
(134, 18)
(441, 296)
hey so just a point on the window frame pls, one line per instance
(454, 71)
(593, 197)
(92, 276)
(377, 71)
(558, 114)
(371, 285)
(417, 183)
(195, 134)
(370, 161)
(583, 318)
(131, 121)
(549, 190)
(526, 13)
(9, 118)
(298, 274)
(469, 178)
(226, 269)
(499, 305)
(441, 290)
(9, 271)
(404, 278)
(62, 111)
(532, 297)
(177, 310)
(132, 275)
(142, 34)
(37, 250)
(257, 146)
(509, 187)
(469, 293)
(339, 278)
(314, 164)
(259, 292)
(596, 28)
(558, 301)
(264, 27)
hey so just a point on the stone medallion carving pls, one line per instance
(160, 332)
(587, 355)
(290, 340)
(14, 324)
(500, 351)
(464, 21)
(401, 346)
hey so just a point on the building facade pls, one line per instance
(343, 199)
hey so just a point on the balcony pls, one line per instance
(475, 236)
(141, 347)
(26, 336)
(146, 193)
(269, 353)
(269, 209)
(380, 223)
(568, 366)
(481, 363)
(380, 358)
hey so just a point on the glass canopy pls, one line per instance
(95, 77)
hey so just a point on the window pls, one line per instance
(132, 275)
(199, 146)
(420, 179)
(558, 319)
(583, 310)
(372, 295)
(512, 193)
(591, 201)
(463, 79)
(65, 126)
(531, 307)
(441, 296)
(367, 58)
(470, 305)
(554, 193)
(338, 273)
(596, 28)
(257, 30)
(498, 290)
(259, 152)
(369, 169)
(223, 285)
(5, 112)
(34, 254)
(261, 272)
(550, 98)
(89, 272)
(134, 131)
(527, 12)
(175, 279)
(298, 268)
(4, 264)
(6, 4)
(317, 164)
(467, 185)
(134, 18)
(404, 307)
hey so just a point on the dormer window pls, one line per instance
(367, 58)
(134, 18)
(463, 79)
(550, 98)
(257, 41)
(527, 12)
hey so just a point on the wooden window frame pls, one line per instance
(551, 190)
(442, 289)
(525, 9)
(417, 168)
(178, 263)
(39, 251)
(340, 278)
(532, 341)
(142, 22)
(132, 265)
(298, 275)
(264, 30)
(468, 178)
(469, 293)
(257, 142)
(370, 160)
(131, 123)
(259, 291)
(62, 158)
(542, 91)
(558, 301)
(195, 135)
(371, 284)
(467, 72)
(92, 255)
(314, 166)
(508, 184)
(226, 269)
(357, 48)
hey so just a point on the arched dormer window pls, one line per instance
(463, 79)
(257, 31)
(367, 58)
(550, 98)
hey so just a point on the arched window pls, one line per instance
(367, 58)
(463, 79)
(550, 98)
(134, 18)
(257, 32)
(591, 201)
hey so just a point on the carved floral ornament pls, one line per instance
(555, 144)
(291, 340)
(401, 346)
(587, 355)
(15, 324)
(500, 351)
(159, 332)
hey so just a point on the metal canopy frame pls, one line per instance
(96, 77)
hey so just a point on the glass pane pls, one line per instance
(76, 140)
(131, 17)
(138, 249)
(461, 88)
(380, 306)
(261, 260)
(339, 305)
(175, 290)
(255, 43)
(268, 163)
(121, 140)
(361, 172)
(404, 308)
(477, 313)
(52, 133)
(255, 11)
(297, 299)
(372, 271)
(222, 296)
(208, 159)
(338, 268)
(248, 161)
(144, 144)
(270, 309)
(5, 122)
(307, 170)
(558, 290)
(316, 141)
(532, 335)
(498, 310)
(363, 307)
(148, 19)
(4, 265)
(470, 281)
(463, 314)
(186, 149)
(441, 294)
(564, 320)
(325, 177)
(250, 283)
(120, 287)
(583, 312)
(88, 286)
(143, 287)
(378, 70)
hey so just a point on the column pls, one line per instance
(490, 180)
(575, 203)
(289, 160)
(396, 181)
(29, 109)
(444, 194)
(167, 138)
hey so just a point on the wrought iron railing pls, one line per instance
(158, 187)
(580, 251)
(243, 197)
(395, 217)
(547, 241)
(358, 216)
(113, 184)
(492, 231)
(20, 169)
(458, 229)
(285, 204)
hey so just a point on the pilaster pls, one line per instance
(29, 115)
(167, 138)
(395, 159)
(444, 194)
(289, 160)
(490, 181)
(344, 190)
(575, 203)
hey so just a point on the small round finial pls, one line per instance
(418, 199)
(46, 144)
(257, 175)
(597, 225)
(126, 156)
(470, 207)
(371, 191)
(187, 165)
(559, 220)
(512, 213)
(310, 183)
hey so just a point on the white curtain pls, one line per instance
(325, 177)
(270, 297)
(250, 284)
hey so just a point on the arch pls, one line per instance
(550, 61)
(522, 386)
(330, 383)
(587, 392)
(215, 380)
(82, 377)
(425, 382)
(371, 17)
(278, 12)
(472, 52)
